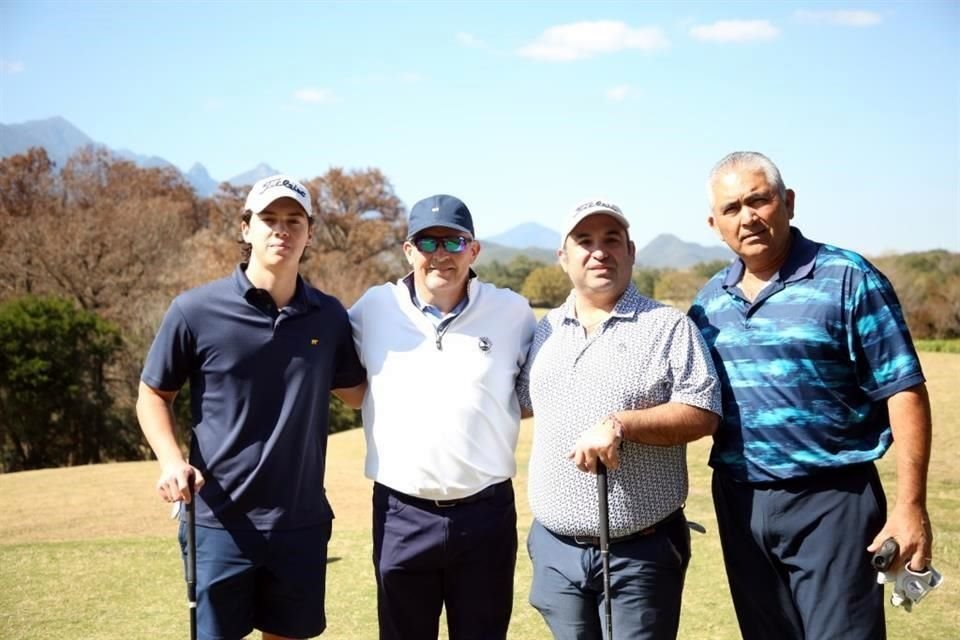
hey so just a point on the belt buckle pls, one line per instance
(445, 504)
(586, 540)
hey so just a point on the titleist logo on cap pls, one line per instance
(283, 182)
(598, 203)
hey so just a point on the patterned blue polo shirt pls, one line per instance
(807, 367)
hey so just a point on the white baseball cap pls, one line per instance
(591, 208)
(267, 190)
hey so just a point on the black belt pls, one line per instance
(483, 494)
(594, 541)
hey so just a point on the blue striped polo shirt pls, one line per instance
(807, 367)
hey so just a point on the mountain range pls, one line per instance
(61, 139)
(537, 242)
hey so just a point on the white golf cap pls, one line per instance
(589, 208)
(266, 190)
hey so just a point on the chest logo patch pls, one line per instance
(484, 344)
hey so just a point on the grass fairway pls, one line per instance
(88, 553)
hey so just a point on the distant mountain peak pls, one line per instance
(667, 250)
(262, 170)
(527, 235)
(200, 180)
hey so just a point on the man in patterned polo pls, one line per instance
(819, 374)
(616, 377)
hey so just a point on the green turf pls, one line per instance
(88, 553)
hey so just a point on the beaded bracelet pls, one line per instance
(618, 428)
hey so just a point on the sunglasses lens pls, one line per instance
(454, 245)
(429, 244)
(426, 244)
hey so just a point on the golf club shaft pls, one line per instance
(603, 500)
(192, 561)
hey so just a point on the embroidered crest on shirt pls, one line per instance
(484, 344)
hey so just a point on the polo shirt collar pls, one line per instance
(798, 265)
(626, 306)
(407, 280)
(303, 296)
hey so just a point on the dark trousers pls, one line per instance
(646, 583)
(461, 557)
(796, 554)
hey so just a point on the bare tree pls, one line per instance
(360, 227)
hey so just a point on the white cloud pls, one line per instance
(735, 31)
(843, 18)
(314, 96)
(11, 66)
(469, 40)
(580, 40)
(618, 93)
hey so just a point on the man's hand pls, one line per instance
(174, 482)
(909, 525)
(601, 441)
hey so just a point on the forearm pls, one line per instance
(667, 424)
(912, 433)
(908, 522)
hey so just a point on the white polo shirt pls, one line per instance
(441, 415)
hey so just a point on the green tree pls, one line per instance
(511, 275)
(707, 269)
(546, 286)
(342, 417)
(54, 406)
(928, 286)
(645, 280)
(678, 287)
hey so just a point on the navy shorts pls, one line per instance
(273, 581)
(796, 554)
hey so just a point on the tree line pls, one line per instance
(96, 249)
(546, 285)
(94, 252)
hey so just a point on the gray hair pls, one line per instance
(748, 160)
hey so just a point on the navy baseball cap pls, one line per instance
(439, 211)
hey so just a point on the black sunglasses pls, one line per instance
(450, 244)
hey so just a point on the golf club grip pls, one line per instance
(191, 539)
(604, 522)
(191, 571)
(603, 504)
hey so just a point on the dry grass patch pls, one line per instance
(90, 552)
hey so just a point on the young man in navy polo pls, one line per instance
(262, 351)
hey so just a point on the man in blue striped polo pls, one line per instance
(819, 376)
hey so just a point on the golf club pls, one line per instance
(605, 544)
(191, 571)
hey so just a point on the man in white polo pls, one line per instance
(441, 417)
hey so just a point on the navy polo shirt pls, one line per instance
(260, 381)
(807, 367)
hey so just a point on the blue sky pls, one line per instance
(524, 108)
